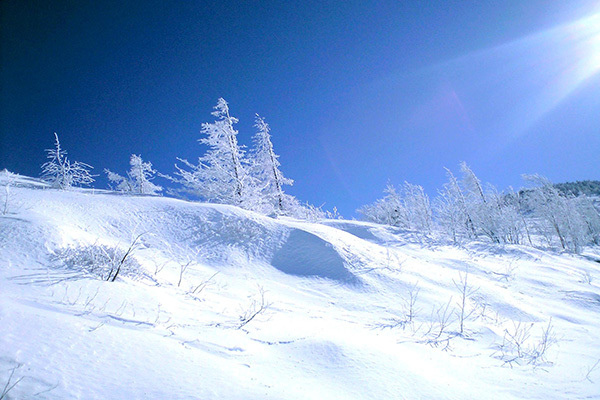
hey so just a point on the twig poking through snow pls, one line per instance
(590, 370)
(256, 307)
(8, 387)
(198, 289)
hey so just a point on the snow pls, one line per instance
(335, 296)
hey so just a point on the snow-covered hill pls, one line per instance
(213, 302)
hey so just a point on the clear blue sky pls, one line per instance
(357, 93)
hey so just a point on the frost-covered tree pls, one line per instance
(495, 215)
(389, 210)
(138, 179)
(418, 208)
(221, 174)
(61, 173)
(557, 214)
(590, 214)
(452, 211)
(481, 211)
(264, 168)
(407, 208)
(7, 202)
(465, 209)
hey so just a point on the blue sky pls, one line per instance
(357, 93)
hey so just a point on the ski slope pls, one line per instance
(214, 302)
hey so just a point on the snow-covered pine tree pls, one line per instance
(60, 173)
(220, 176)
(138, 178)
(269, 180)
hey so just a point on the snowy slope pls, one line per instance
(178, 322)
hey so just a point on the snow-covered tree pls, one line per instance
(221, 174)
(465, 208)
(418, 208)
(7, 201)
(138, 179)
(408, 208)
(264, 168)
(591, 217)
(60, 173)
(389, 210)
(493, 214)
(557, 214)
(452, 211)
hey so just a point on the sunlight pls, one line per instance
(529, 77)
(587, 41)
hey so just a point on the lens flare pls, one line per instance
(587, 41)
(529, 77)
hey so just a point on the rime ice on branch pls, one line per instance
(61, 173)
(138, 178)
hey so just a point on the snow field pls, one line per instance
(329, 305)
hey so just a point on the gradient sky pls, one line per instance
(357, 93)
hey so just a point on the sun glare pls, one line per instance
(538, 72)
(589, 46)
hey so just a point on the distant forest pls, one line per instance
(588, 188)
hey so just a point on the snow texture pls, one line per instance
(215, 302)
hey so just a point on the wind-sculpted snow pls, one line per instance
(307, 255)
(221, 303)
(363, 231)
(213, 232)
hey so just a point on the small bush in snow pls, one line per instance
(438, 333)
(409, 310)
(466, 292)
(558, 215)
(100, 261)
(7, 201)
(586, 277)
(590, 370)
(518, 346)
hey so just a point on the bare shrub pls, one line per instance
(190, 256)
(466, 292)
(10, 385)
(409, 310)
(409, 303)
(590, 370)
(438, 333)
(518, 346)
(257, 306)
(586, 277)
(199, 288)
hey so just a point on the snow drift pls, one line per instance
(214, 302)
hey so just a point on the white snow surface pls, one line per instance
(335, 322)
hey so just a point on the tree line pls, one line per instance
(465, 209)
(225, 174)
